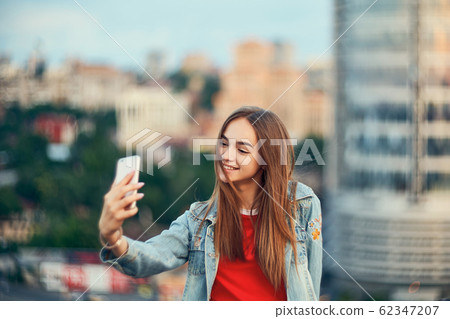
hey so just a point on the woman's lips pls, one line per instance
(229, 168)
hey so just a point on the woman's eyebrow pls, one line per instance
(238, 142)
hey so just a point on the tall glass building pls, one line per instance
(388, 167)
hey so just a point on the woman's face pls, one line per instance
(237, 148)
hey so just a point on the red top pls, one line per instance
(244, 280)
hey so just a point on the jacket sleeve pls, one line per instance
(163, 252)
(314, 243)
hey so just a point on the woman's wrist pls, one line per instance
(121, 249)
(112, 241)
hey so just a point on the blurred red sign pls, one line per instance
(74, 277)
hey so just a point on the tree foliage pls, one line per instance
(69, 195)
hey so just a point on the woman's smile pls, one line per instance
(230, 168)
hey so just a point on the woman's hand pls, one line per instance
(115, 205)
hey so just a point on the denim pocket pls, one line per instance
(196, 261)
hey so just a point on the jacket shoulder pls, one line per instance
(302, 190)
(308, 203)
(197, 208)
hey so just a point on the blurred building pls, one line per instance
(263, 75)
(88, 86)
(61, 131)
(149, 107)
(156, 64)
(24, 85)
(18, 227)
(201, 83)
(389, 157)
(94, 87)
(318, 91)
(197, 63)
(8, 72)
(58, 128)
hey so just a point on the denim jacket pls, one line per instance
(180, 244)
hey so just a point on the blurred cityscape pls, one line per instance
(378, 111)
(389, 170)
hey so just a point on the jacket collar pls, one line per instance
(302, 191)
(213, 212)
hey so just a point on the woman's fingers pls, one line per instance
(120, 211)
(114, 204)
(114, 210)
(119, 192)
(127, 213)
(124, 180)
(131, 187)
(128, 200)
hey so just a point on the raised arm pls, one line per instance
(116, 210)
(163, 252)
(135, 258)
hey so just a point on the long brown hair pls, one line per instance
(273, 227)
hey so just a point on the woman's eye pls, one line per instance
(223, 143)
(244, 152)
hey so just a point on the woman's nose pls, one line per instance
(229, 155)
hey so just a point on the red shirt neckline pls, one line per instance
(244, 279)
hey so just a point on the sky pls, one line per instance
(62, 29)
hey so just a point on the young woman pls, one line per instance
(258, 237)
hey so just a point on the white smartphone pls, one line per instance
(124, 166)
